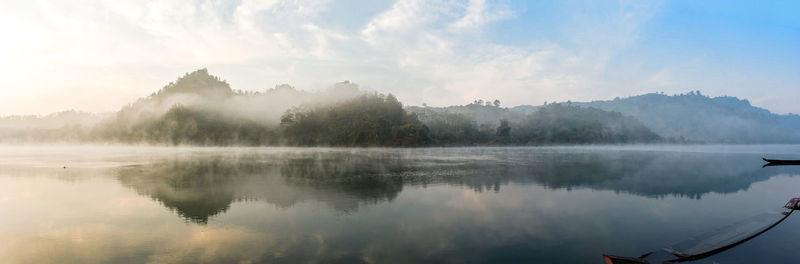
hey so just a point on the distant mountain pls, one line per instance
(202, 109)
(199, 108)
(51, 121)
(199, 89)
(697, 117)
(61, 126)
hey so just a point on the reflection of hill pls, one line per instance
(653, 174)
(201, 186)
(356, 176)
(196, 189)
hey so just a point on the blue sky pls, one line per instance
(100, 55)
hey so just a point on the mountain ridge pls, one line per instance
(200, 108)
(694, 116)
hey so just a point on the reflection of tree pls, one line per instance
(201, 186)
(196, 189)
(354, 175)
(687, 174)
(652, 174)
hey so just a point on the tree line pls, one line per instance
(377, 120)
(201, 109)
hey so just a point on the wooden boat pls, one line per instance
(714, 242)
(782, 162)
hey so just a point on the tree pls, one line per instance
(368, 120)
(503, 135)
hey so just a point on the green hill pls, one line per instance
(697, 117)
(202, 109)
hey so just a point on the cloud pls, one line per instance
(103, 54)
(478, 14)
(457, 65)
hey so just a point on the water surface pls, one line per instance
(444, 205)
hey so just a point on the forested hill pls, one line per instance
(201, 109)
(554, 124)
(697, 117)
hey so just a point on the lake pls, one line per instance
(101, 204)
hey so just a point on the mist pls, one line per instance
(203, 95)
(199, 108)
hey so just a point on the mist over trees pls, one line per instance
(699, 118)
(453, 128)
(368, 120)
(183, 125)
(548, 125)
(559, 124)
(67, 125)
(201, 109)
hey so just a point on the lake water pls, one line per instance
(443, 205)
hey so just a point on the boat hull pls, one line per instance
(777, 161)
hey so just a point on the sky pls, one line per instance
(98, 55)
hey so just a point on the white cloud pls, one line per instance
(100, 55)
(458, 65)
(478, 14)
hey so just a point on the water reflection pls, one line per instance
(202, 185)
(512, 205)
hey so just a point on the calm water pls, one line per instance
(452, 205)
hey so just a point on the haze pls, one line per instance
(98, 56)
(404, 131)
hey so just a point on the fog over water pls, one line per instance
(266, 205)
(400, 131)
